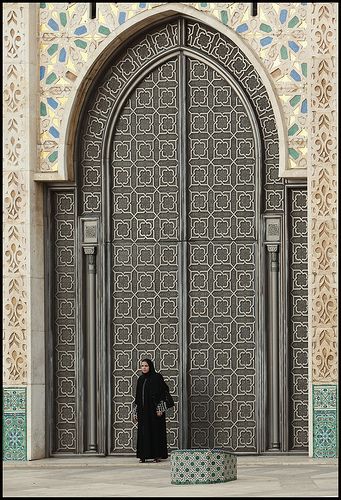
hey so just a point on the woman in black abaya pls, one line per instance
(149, 409)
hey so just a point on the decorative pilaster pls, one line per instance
(23, 328)
(15, 238)
(15, 198)
(322, 189)
(273, 245)
(273, 350)
(91, 414)
(90, 242)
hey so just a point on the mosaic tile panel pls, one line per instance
(68, 38)
(325, 422)
(14, 423)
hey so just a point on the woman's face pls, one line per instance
(144, 367)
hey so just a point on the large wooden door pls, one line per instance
(178, 240)
(184, 221)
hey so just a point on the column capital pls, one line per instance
(272, 248)
(89, 250)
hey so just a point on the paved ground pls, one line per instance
(125, 477)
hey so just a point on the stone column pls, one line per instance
(23, 257)
(91, 385)
(273, 356)
(322, 224)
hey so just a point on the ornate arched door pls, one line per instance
(176, 242)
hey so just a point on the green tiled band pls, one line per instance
(325, 421)
(202, 466)
(14, 423)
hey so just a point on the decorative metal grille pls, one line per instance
(222, 361)
(298, 324)
(64, 323)
(221, 159)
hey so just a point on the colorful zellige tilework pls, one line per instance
(325, 425)
(202, 466)
(69, 37)
(14, 424)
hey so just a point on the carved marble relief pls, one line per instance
(323, 187)
(15, 198)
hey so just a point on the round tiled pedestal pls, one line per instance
(202, 466)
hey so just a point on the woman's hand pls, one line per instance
(159, 413)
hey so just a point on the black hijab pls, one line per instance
(153, 388)
(151, 367)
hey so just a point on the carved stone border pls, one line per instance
(23, 252)
(15, 265)
(322, 209)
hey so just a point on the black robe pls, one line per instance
(151, 429)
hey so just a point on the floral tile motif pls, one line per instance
(14, 423)
(68, 38)
(325, 397)
(206, 466)
(325, 421)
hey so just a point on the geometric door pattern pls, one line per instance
(63, 322)
(178, 175)
(144, 236)
(298, 324)
(222, 284)
(218, 213)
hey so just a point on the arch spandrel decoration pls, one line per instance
(112, 44)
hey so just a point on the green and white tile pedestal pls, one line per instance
(202, 466)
